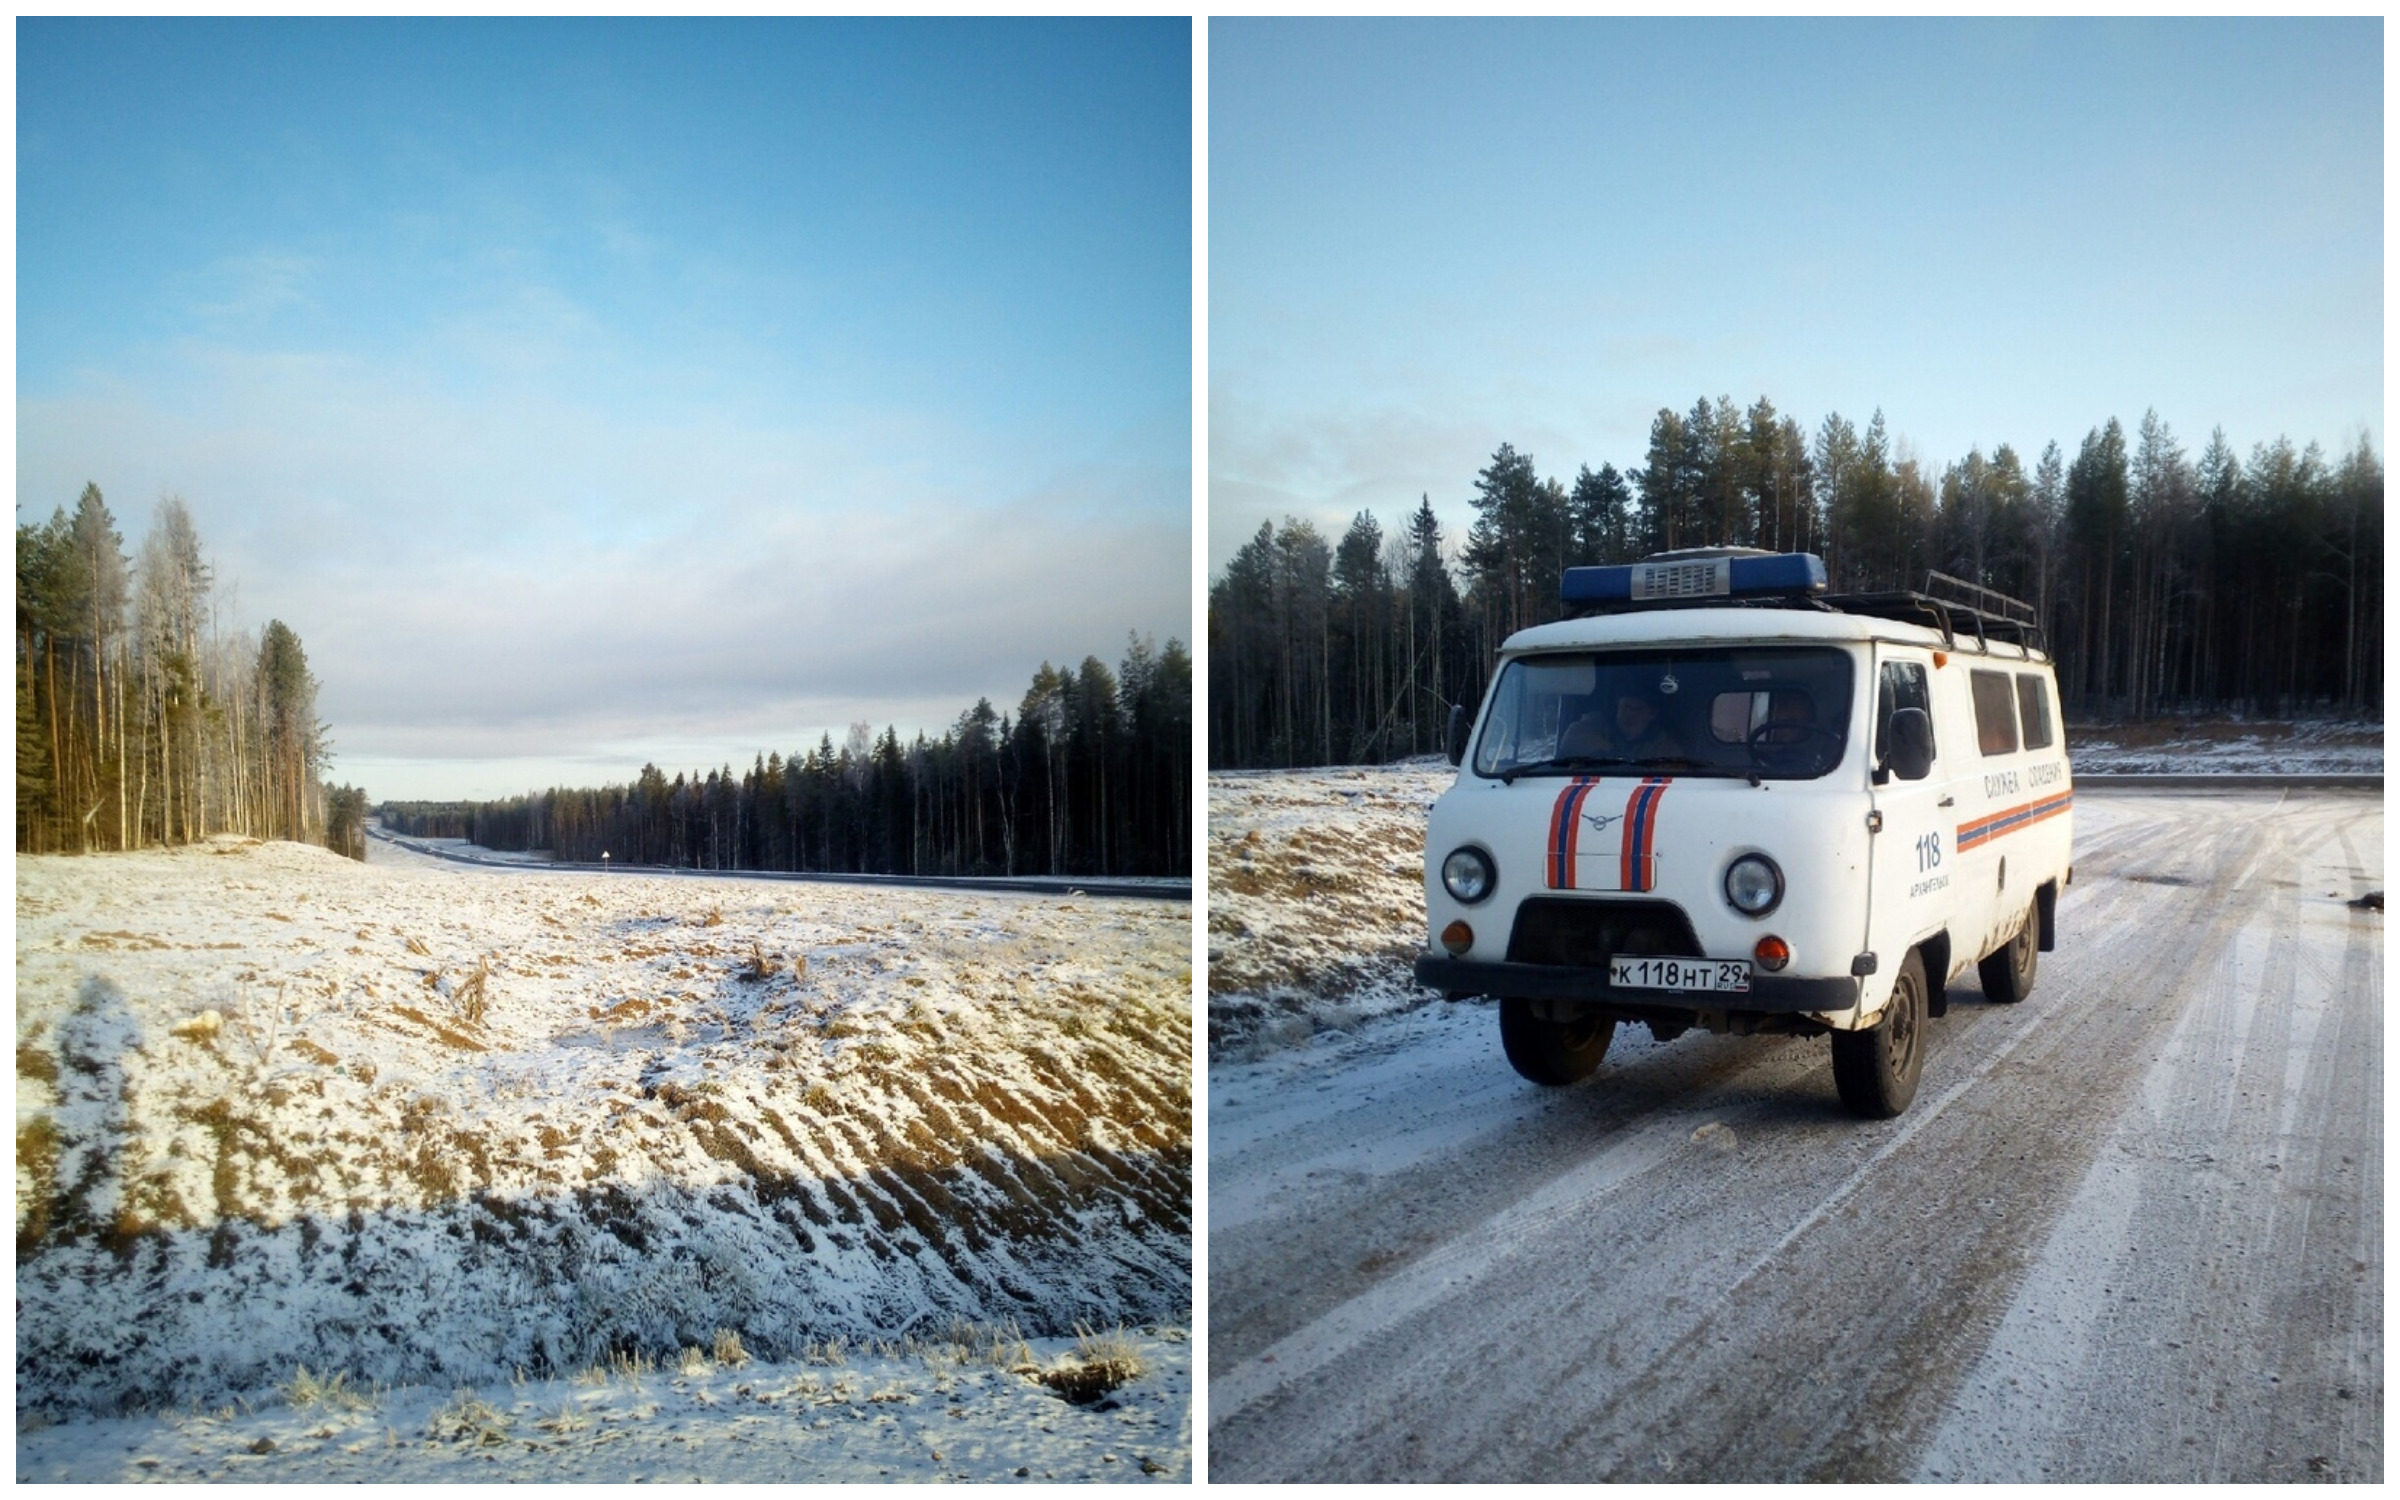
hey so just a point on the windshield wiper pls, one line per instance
(1568, 763)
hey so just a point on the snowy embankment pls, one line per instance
(422, 1125)
(1316, 897)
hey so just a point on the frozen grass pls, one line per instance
(436, 1126)
(1316, 899)
(919, 1412)
(1101, 1363)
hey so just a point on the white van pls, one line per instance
(1725, 798)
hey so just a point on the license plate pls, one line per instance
(1680, 974)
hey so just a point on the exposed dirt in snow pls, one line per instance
(423, 1124)
(2131, 1229)
(935, 1412)
(1316, 898)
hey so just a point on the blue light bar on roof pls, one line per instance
(1695, 578)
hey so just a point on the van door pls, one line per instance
(1992, 792)
(1913, 865)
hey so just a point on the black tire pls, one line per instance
(2007, 972)
(1875, 1071)
(1552, 1053)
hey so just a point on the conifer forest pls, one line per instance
(140, 721)
(2165, 582)
(1092, 775)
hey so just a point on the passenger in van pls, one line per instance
(1632, 731)
(1791, 706)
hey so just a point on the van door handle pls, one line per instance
(1947, 802)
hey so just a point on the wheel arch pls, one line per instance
(1933, 954)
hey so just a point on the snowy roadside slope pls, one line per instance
(269, 1115)
(1316, 897)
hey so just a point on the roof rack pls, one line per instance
(1952, 606)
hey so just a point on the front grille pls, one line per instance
(1575, 934)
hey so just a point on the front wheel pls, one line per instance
(1875, 1070)
(2007, 974)
(1552, 1053)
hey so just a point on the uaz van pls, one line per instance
(1725, 798)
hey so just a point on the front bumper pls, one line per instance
(1769, 994)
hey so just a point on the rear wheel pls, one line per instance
(1552, 1052)
(2007, 974)
(1875, 1071)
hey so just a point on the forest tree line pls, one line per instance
(1091, 776)
(139, 720)
(2164, 582)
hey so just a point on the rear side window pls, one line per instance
(2033, 706)
(1995, 713)
(1903, 686)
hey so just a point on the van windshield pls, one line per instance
(1771, 711)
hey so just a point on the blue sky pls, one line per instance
(587, 393)
(1427, 238)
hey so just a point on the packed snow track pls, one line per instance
(2130, 1230)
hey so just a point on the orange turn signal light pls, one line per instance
(1941, 658)
(1772, 953)
(1457, 938)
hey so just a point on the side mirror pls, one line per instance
(1455, 743)
(1909, 755)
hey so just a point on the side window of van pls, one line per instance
(1995, 712)
(2033, 706)
(1903, 686)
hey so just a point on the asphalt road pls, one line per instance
(2131, 1229)
(1098, 885)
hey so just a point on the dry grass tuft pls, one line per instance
(727, 1349)
(692, 1362)
(417, 946)
(834, 1351)
(760, 966)
(1101, 1362)
(715, 917)
(473, 996)
(567, 1419)
(306, 1390)
(630, 1367)
(469, 1418)
(200, 1028)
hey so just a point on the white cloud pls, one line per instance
(523, 578)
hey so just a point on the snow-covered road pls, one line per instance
(2130, 1230)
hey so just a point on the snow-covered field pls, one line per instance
(427, 1127)
(2303, 747)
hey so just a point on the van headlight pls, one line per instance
(1467, 875)
(1753, 885)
